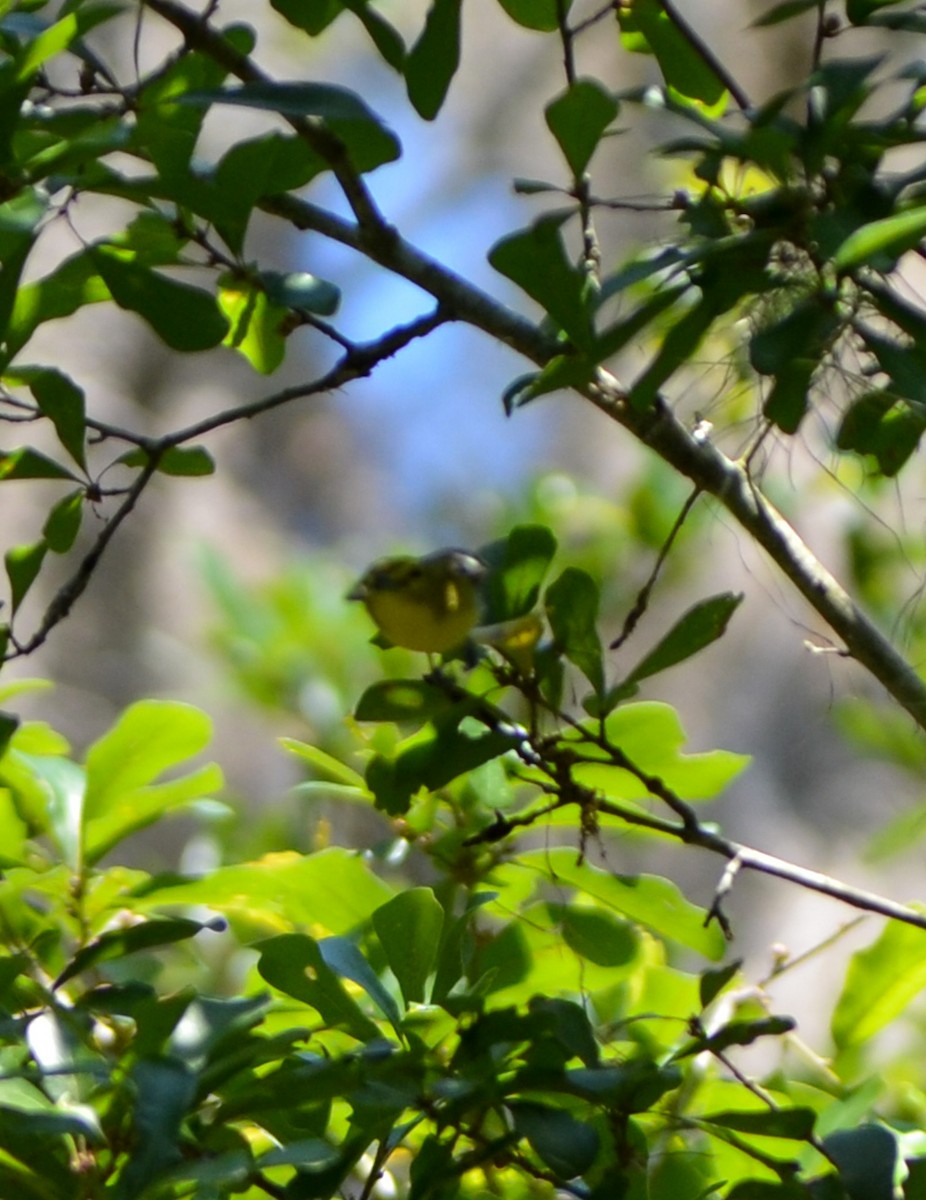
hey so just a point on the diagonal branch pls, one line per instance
(748, 859)
(658, 428)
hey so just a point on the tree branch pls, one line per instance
(746, 858)
(694, 457)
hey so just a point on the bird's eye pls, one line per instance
(414, 573)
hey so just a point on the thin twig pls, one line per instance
(591, 250)
(642, 599)
(749, 859)
(66, 596)
(358, 362)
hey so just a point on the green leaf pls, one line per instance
(577, 118)
(877, 423)
(679, 343)
(596, 934)
(302, 291)
(566, 1145)
(117, 943)
(19, 221)
(314, 18)
(248, 171)
(323, 761)
(185, 318)
(46, 45)
(23, 564)
(123, 766)
(163, 1092)
(713, 982)
(62, 524)
(8, 726)
(294, 963)
(62, 401)
(26, 463)
(433, 60)
(185, 461)
(409, 930)
(430, 760)
(701, 625)
(63, 786)
(651, 736)
(572, 610)
(867, 1160)
(332, 889)
(542, 15)
(879, 985)
(647, 27)
(784, 12)
(647, 899)
(369, 143)
(881, 243)
(858, 11)
(536, 260)
(344, 958)
(256, 324)
(794, 1123)
(517, 564)
(75, 283)
(401, 700)
(737, 1033)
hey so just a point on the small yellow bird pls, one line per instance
(430, 604)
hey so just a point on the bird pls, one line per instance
(431, 604)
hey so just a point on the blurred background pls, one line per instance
(228, 591)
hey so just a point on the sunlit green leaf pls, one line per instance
(881, 243)
(880, 982)
(653, 902)
(647, 26)
(701, 625)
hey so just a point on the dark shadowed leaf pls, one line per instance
(433, 60)
(147, 935)
(518, 564)
(536, 260)
(572, 610)
(23, 564)
(542, 15)
(577, 118)
(185, 318)
(567, 1146)
(703, 624)
(409, 929)
(63, 523)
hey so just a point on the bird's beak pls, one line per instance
(357, 592)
